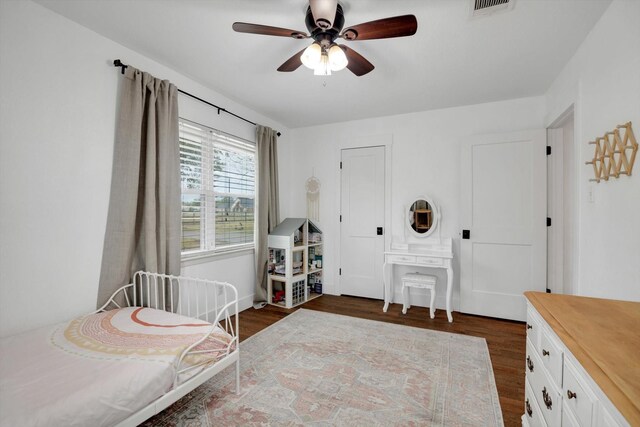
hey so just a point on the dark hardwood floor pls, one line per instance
(506, 339)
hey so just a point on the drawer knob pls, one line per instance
(571, 395)
(528, 407)
(546, 398)
(529, 364)
(529, 326)
(545, 352)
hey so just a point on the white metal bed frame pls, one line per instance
(197, 298)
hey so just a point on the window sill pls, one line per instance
(204, 257)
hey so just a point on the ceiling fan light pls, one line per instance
(324, 12)
(323, 68)
(337, 58)
(311, 56)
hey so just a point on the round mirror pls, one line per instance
(422, 217)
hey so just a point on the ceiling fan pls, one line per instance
(325, 22)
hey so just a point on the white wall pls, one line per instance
(602, 81)
(57, 116)
(425, 159)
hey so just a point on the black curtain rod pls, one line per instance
(118, 63)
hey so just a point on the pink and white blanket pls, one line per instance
(99, 369)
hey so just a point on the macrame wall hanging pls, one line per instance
(313, 198)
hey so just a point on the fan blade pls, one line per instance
(358, 64)
(266, 30)
(292, 63)
(398, 26)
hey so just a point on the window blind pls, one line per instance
(218, 188)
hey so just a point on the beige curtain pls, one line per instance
(143, 223)
(268, 214)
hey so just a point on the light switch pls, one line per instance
(591, 194)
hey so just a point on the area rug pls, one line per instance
(320, 369)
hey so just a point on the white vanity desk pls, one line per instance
(421, 219)
(418, 255)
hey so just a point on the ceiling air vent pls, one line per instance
(485, 7)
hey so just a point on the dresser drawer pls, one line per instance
(429, 260)
(605, 419)
(534, 367)
(550, 402)
(568, 419)
(544, 390)
(531, 361)
(401, 259)
(577, 395)
(552, 355)
(532, 411)
(533, 328)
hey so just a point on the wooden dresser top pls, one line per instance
(604, 336)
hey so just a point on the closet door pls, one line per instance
(362, 213)
(503, 222)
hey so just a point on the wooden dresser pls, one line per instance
(583, 362)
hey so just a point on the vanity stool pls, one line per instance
(421, 281)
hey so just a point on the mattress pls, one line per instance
(101, 368)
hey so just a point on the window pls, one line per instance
(217, 173)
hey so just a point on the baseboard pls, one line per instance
(419, 299)
(245, 302)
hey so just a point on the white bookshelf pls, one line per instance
(295, 263)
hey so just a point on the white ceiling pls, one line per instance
(452, 60)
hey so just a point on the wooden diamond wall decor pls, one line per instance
(614, 154)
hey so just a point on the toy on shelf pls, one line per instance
(278, 296)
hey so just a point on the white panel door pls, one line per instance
(504, 205)
(362, 210)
